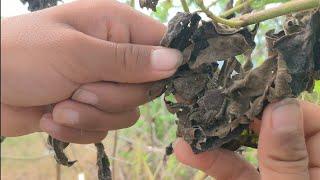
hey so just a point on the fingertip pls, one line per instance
(165, 59)
(185, 155)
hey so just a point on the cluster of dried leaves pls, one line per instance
(34, 5)
(216, 104)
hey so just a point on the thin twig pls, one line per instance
(253, 18)
(185, 5)
(132, 3)
(236, 8)
(213, 3)
(58, 171)
(114, 154)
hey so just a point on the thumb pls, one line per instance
(125, 62)
(282, 148)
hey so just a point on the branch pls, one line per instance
(286, 8)
(236, 8)
(215, 18)
(185, 5)
(253, 18)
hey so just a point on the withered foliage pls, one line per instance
(58, 147)
(149, 4)
(104, 172)
(35, 5)
(216, 104)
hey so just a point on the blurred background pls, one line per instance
(136, 152)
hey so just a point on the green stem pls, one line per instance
(286, 8)
(185, 5)
(236, 8)
(253, 18)
(214, 17)
(213, 3)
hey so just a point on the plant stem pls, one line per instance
(236, 8)
(215, 18)
(213, 3)
(253, 18)
(185, 5)
(132, 3)
(114, 154)
(286, 8)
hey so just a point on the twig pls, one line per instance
(58, 171)
(132, 3)
(185, 5)
(213, 3)
(114, 154)
(285, 8)
(236, 8)
(253, 18)
(27, 158)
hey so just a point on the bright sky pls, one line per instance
(15, 7)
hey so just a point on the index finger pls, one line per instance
(111, 20)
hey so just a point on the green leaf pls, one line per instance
(162, 11)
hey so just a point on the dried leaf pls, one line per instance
(149, 4)
(220, 103)
(180, 30)
(104, 172)
(58, 148)
(35, 5)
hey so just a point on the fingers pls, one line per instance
(311, 114)
(85, 117)
(68, 134)
(123, 62)
(282, 148)
(221, 164)
(112, 21)
(114, 97)
(18, 121)
(313, 146)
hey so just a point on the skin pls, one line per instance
(78, 70)
(288, 147)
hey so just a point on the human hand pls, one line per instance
(289, 146)
(80, 69)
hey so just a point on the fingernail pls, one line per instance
(166, 59)
(85, 96)
(68, 116)
(286, 114)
